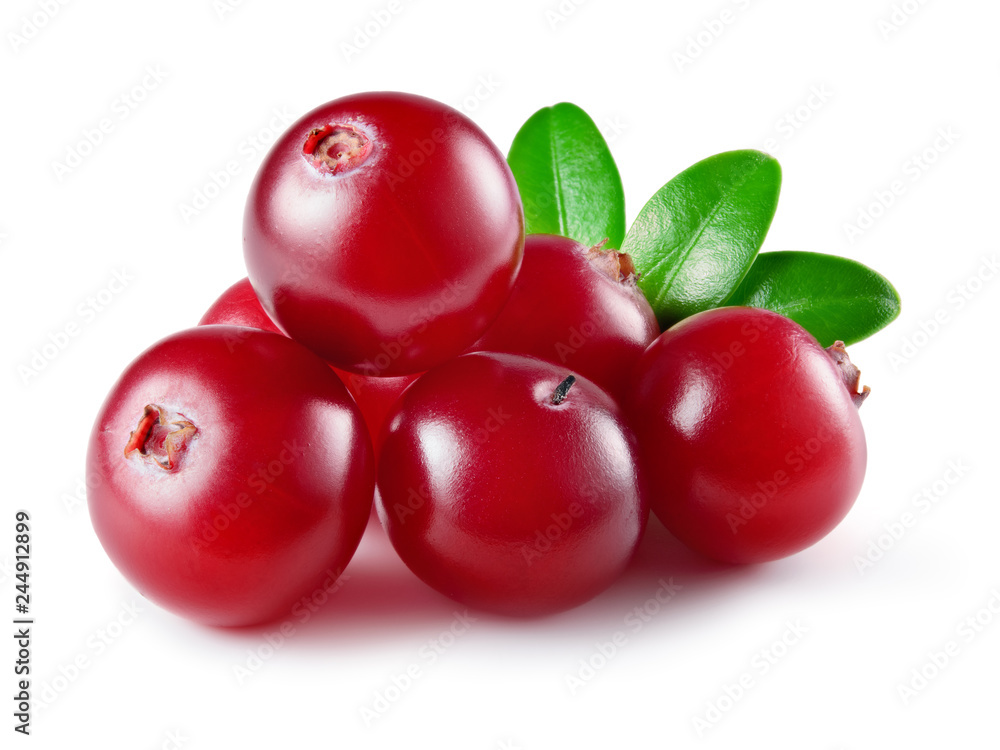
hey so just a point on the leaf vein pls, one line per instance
(702, 226)
(557, 183)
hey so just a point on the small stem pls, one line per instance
(613, 264)
(561, 391)
(849, 373)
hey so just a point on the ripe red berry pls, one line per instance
(510, 485)
(239, 306)
(232, 474)
(749, 434)
(384, 231)
(578, 307)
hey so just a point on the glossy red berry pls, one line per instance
(375, 397)
(749, 434)
(510, 485)
(232, 474)
(239, 306)
(578, 307)
(384, 232)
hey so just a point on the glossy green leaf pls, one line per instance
(697, 237)
(568, 180)
(833, 298)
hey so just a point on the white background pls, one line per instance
(888, 88)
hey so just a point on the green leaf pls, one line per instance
(697, 237)
(833, 298)
(568, 180)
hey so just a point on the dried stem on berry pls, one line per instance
(613, 264)
(159, 438)
(336, 149)
(849, 372)
(562, 390)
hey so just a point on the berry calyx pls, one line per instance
(335, 149)
(613, 264)
(849, 373)
(160, 438)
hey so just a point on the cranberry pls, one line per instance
(509, 484)
(384, 231)
(749, 439)
(578, 307)
(234, 474)
(239, 306)
(375, 397)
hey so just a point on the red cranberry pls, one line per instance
(510, 485)
(578, 307)
(234, 474)
(239, 306)
(384, 231)
(749, 434)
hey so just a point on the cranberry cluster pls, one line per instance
(507, 402)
